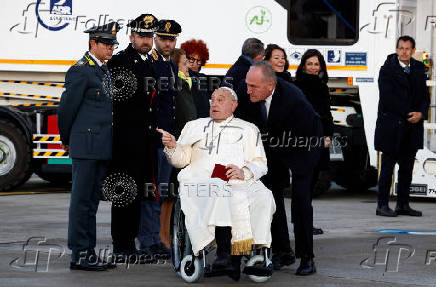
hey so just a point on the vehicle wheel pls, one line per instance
(323, 183)
(15, 156)
(351, 180)
(191, 271)
(257, 260)
(179, 239)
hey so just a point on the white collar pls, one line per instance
(402, 64)
(226, 121)
(143, 57)
(269, 99)
(99, 63)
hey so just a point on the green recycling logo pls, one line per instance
(258, 19)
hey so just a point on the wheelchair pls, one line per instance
(258, 266)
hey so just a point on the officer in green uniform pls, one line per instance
(85, 127)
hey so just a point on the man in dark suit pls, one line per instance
(403, 106)
(85, 127)
(252, 51)
(200, 94)
(292, 136)
(164, 108)
(133, 119)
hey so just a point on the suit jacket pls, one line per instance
(237, 73)
(201, 93)
(292, 135)
(400, 94)
(85, 111)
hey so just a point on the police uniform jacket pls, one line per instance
(164, 102)
(134, 125)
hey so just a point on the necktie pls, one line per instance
(406, 69)
(108, 76)
(105, 70)
(263, 111)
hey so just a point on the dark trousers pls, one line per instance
(405, 160)
(88, 176)
(150, 209)
(125, 226)
(223, 238)
(302, 213)
(279, 224)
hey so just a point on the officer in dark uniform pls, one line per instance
(164, 107)
(133, 130)
(85, 127)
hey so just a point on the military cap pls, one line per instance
(106, 33)
(144, 25)
(168, 29)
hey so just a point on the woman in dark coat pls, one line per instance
(278, 59)
(312, 78)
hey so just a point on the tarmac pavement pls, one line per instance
(349, 253)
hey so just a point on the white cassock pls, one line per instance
(245, 205)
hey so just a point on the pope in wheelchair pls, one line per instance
(221, 195)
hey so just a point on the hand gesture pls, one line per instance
(168, 139)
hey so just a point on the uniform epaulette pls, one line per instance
(81, 62)
(154, 55)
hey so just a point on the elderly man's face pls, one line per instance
(257, 87)
(222, 105)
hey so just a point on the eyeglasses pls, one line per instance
(194, 60)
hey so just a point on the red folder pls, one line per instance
(220, 172)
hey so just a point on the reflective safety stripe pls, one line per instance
(33, 83)
(26, 96)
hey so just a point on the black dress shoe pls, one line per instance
(405, 209)
(385, 211)
(222, 262)
(160, 251)
(85, 265)
(307, 267)
(109, 264)
(235, 274)
(317, 231)
(283, 259)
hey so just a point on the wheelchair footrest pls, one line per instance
(258, 270)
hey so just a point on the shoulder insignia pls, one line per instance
(90, 61)
(154, 55)
(81, 62)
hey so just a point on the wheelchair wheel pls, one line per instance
(257, 260)
(191, 270)
(180, 244)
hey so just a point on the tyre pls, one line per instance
(180, 245)
(191, 270)
(355, 173)
(257, 260)
(15, 156)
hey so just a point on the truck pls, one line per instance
(44, 38)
